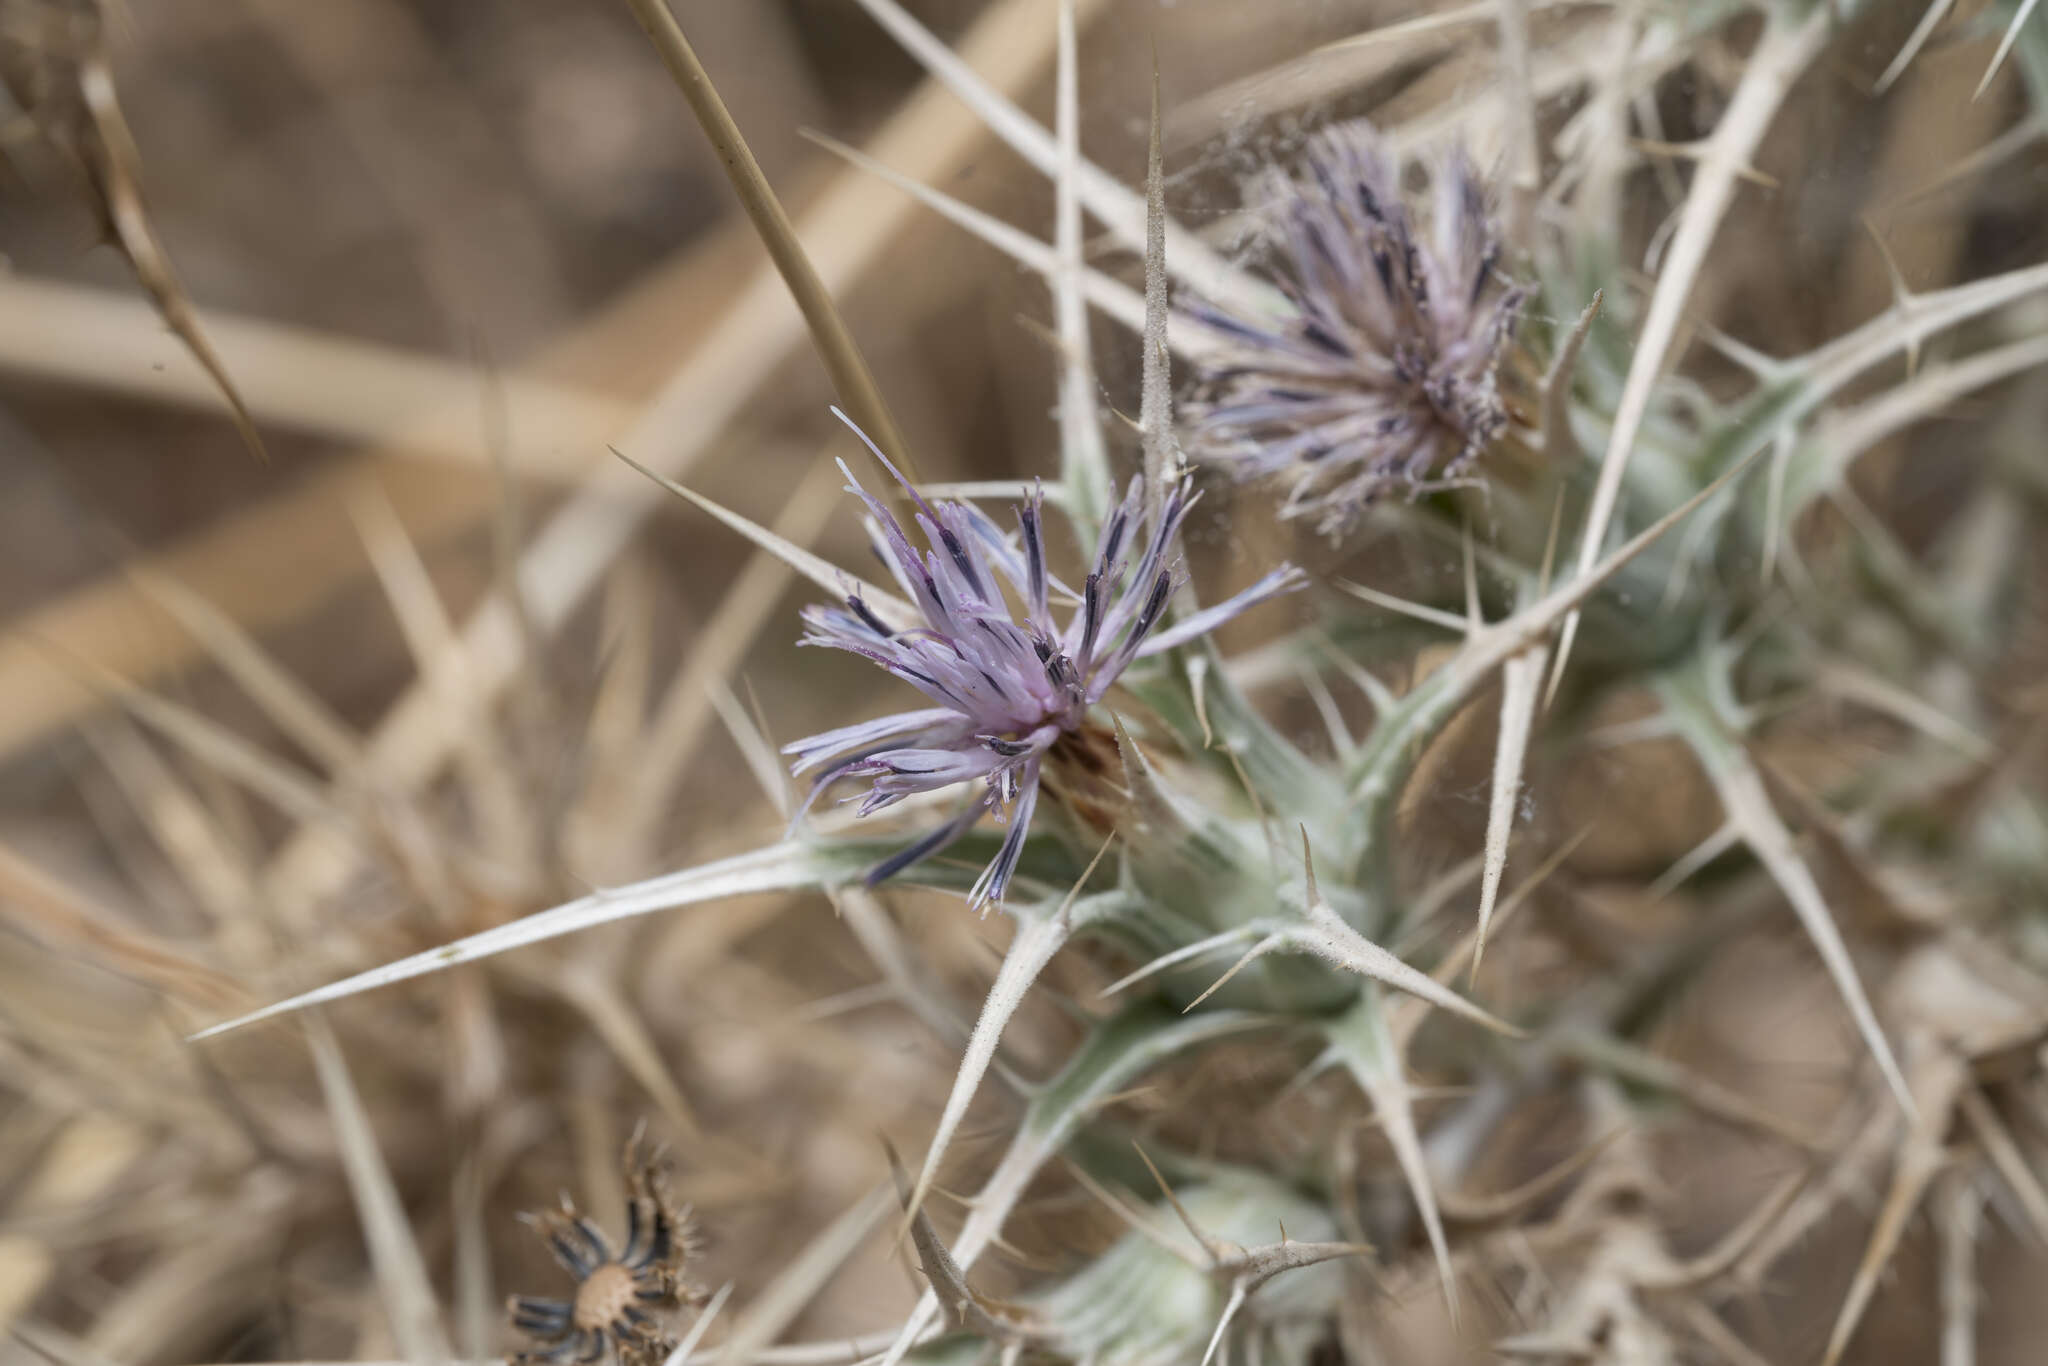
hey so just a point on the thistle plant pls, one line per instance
(1318, 1086)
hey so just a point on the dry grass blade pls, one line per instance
(441, 661)
(1197, 265)
(851, 377)
(117, 175)
(289, 703)
(1082, 455)
(2006, 1157)
(822, 572)
(1959, 1217)
(402, 1280)
(1718, 1260)
(1709, 1097)
(297, 378)
(1336, 69)
(705, 1318)
(802, 1276)
(627, 816)
(1155, 410)
(1525, 171)
(1488, 1209)
(206, 858)
(285, 785)
(1113, 297)
(1920, 1160)
(620, 1026)
(66, 921)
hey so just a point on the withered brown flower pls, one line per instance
(625, 1299)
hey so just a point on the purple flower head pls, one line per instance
(1382, 373)
(1006, 681)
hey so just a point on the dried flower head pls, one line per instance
(625, 1298)
(1010, 685)
(1382, 371)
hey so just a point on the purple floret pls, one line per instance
(1007, 682)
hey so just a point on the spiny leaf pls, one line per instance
(1431, 703)
(962, 1305)
(1360, 1038)
(1039, 936)
(1784, 51)
(1751, 815)
(1329, 935)
(1117, 1051)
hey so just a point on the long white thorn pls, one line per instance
(1521, 678)
(2012, 35)
(1937, 10)
(1756, 821)
(1037, 939)
(816, 568)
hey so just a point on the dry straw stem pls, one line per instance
(419, 405)
(843, 361)
(771, 1312)
(402, 1280)
(304, 550)
(116, 169)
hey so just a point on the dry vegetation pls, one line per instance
(335, 635)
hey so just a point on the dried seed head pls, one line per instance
(625, 1299)
(1381, 375)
